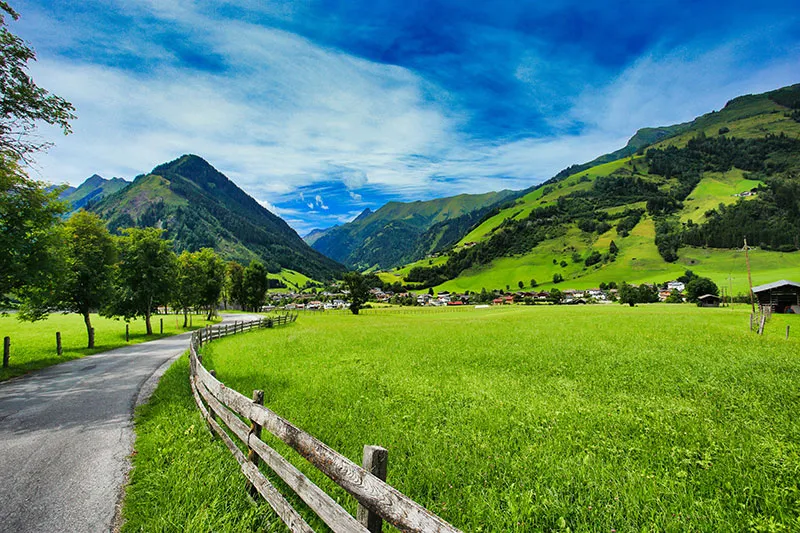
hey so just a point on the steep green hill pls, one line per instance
(199, 207)
(93, 189)
(402, 232)
(668, 206)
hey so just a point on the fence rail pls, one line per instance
(377, 500)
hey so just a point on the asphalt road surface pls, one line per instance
(66, 433)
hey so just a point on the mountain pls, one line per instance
(313, 236)
(401, 232)
(199, 207)
(675, 198)
(92, 190)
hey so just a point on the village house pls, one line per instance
(676, 286)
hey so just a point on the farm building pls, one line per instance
(709, 300)
(782, 296)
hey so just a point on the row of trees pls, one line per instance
(87, 269)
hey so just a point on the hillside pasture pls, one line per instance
(595, 418)
(638, 261)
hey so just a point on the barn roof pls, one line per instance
(775, 285)
(709, 297)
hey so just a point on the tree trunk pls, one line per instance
(147, 323)
(185, 318)
(210, 312)
(89, 330)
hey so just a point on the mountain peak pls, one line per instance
(364, 214)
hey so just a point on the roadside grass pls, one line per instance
(592, 418)
(181, 480)
(33, 345)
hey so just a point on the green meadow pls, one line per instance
(543, 418)
(33, 345)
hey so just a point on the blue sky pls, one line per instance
(322, 108)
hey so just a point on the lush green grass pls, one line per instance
(33, 345)
(715, 188)
(597, 418)
(638, 261)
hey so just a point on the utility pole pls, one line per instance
(749, 276)
(730, 290)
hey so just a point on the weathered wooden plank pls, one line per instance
(376, 495)
(317, 500)
(282, 508)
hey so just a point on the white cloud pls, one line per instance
(286, 113)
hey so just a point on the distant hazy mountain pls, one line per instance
(92, 190)
(199, 207)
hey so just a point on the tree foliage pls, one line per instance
(23, 104)
(254, 285)
(357, 286)
(146, 274)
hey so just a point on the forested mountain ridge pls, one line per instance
(198, 207)
(401, 232)
(703, 186)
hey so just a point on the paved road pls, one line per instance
(65, 436)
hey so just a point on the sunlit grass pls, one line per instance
(518, 419)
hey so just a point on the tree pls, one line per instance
(91, 256)
(613, 249)
(212, 278)
(700, 286)
(627, 294)
(558, 278)
(556, 295)
(357, 286)
(23, 104)
(185, 294)
(28, 211)
(255, 285)
(520, 284)
(81, 272)
(533, 283)
(28, 217)
(234, 283)
(145, 276)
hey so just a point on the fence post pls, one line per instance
(6, 351)
(127, 333)
(761, 325)
(787, 332)
(375, 462)
(255, 431)
(59, 351)
(751, 321)
(162, 327)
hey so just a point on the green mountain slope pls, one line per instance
(667, 207)
(402, 232)
(92, 190)
(199, 207)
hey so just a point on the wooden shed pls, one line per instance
(783, 296)
(709, 300)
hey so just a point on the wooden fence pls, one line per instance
(377, 500)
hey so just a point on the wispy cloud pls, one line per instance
(320, 113)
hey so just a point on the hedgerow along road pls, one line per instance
(66, 434)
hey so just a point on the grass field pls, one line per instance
(33, 345)
(596, 418)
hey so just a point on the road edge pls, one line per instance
(145, 392)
